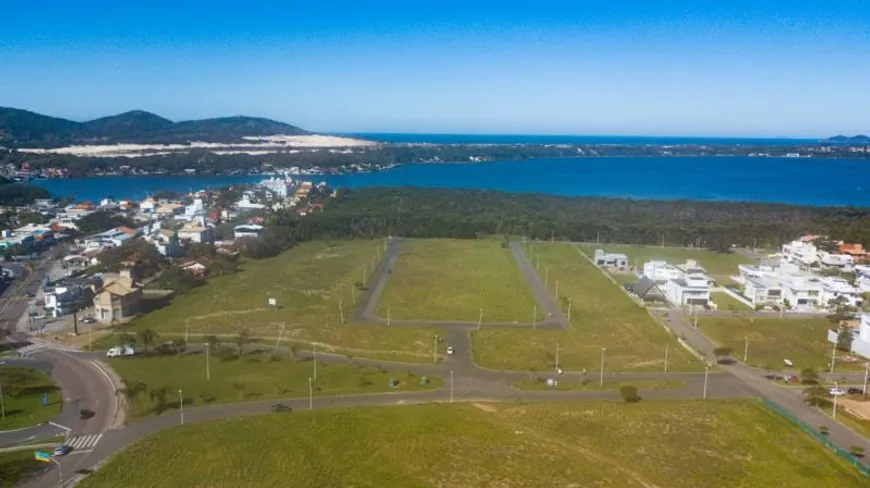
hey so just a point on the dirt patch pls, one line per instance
(856, 408)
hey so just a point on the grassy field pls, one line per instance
(803, 341)
(591, 384)
(444, 279)
(17, 466)
(716, 263)
(603, 444)
(251, 377)
(309, 283)
(22, 393)
(727, 302)
(601, 316)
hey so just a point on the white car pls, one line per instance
(119, 351)
(449, 350)
(837, 392)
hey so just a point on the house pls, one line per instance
(691, 290)
(856, 251)
(248, 230)
(247, 204)
(111, 237)
(834, 288)
(646, 289)
(838, 261)
(280, 187)
(196, 233)
(167, 243)
(860, 336)
(169, 209)
(69, 295)
(148, 205)
(801, 251)
(661, 272)
(117, 299)
(610, 260)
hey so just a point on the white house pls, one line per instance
(247, 204)
(800, 252)
(167, 243)
(148, 205)
(691, 290)
(860, 336)
(248, 230)
(70, 295)
(280, 187)
(801, 292)
(196, 233)
(195, 209)
(839, 261)
(661, 271)
(610, 260)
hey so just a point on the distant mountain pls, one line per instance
(859, 139)
(22, 128)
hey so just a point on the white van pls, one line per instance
(119, 351)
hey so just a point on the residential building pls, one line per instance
(148, 205)
(247, 202)
(834, 288)
(280, 187)
(839, 261)
(248, 230)
(661, 271)
(646, 289)
(857, 251)
(691, 290)
(167, 243)
(111, 237)
(117, 299)
(197, 231)
(860, 336)
(69, 295)
(610, 260)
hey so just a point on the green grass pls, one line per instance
(803, 341)
(589, 384)
(604, 444)
(22, 393)
(17, 466)
(250, 377)
(601, 316)
(727, 302)
(716, 263)
(444, 279)
(309, 282)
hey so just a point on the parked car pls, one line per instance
(280, 407)
(61, 449)
(837, 392)
(449, 350)
(855, 391)
(85, 414)
(89, 320)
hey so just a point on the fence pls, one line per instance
(824, 440)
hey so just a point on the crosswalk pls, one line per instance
(80, 442)
(32, 349)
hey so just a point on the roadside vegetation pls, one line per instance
(610, 444)
(17, 466)
(23, 389)
(602, 316)
(727, 303)
(449, 279)
(313, 284)
(803, 341)
(152, 383)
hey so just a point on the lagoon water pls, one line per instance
(817, 182)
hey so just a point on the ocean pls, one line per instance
(802, 181)
(411, 138)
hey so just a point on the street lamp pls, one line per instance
(601, 375)
(745, 348)
(706, 373)
(864, 390)
(836, 394)
(451, 386)
(207, 369)
(310, 395)
(181, 405)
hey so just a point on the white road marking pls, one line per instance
(51, 422)
(84, 441)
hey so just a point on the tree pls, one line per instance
(840, 311)
(125, 339)
(131, 390)
(242, 338)
(213, 341)
(147, 337)
(159, 397)
(809, 376)
(844, 338)
(816, 396)
(629, 394)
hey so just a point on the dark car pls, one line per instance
(85, 414)
(280, 407)
(855, 391)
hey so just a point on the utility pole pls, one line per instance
(353, 295)
(280, 335)
(569, 310)
(181, 405)
(451, 386)
(341, 310)
(834, 409)
(745, 349)
(601, 374)
(76, 323)
(667, 346)
(557, 357)
(310, 395)
(706, 373)
(833, 357)
(364, 276)
(388, 315)
(534, 317)
(864, 390)
(207, 369)
(480, 319)
(315, 360)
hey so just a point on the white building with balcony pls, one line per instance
(690, 290)
(661, 271)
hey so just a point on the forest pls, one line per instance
(417, 212)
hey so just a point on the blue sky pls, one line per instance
(751, 68)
